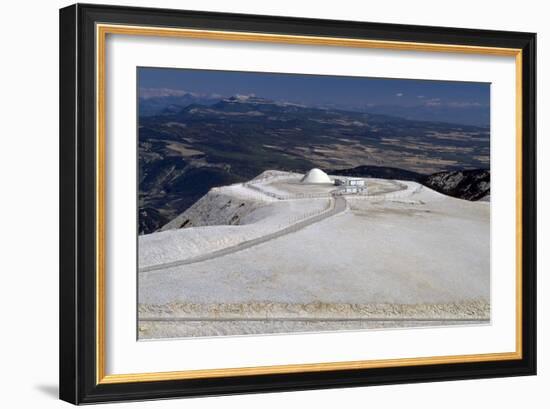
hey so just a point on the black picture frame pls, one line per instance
(78, 297)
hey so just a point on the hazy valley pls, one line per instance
(184, 151)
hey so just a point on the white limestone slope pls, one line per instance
(256, 221)
(225, 217)
(405, 252)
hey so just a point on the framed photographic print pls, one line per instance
(258, 203)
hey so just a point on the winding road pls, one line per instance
(338, 205)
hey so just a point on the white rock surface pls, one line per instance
(403, 247)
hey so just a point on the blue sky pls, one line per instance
(339, 91)
(314, 88)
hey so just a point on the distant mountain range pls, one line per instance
(169, 104)
(451, 113)
(185, 151)
(454, 113)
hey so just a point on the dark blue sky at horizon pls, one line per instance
(341, 91)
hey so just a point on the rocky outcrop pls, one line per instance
(471, 185)
(213, 209)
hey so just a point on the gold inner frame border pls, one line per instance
(102, 30)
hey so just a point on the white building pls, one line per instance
(351, 185)
(355, 182)
(350, 182)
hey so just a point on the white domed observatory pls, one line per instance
(316, 176)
